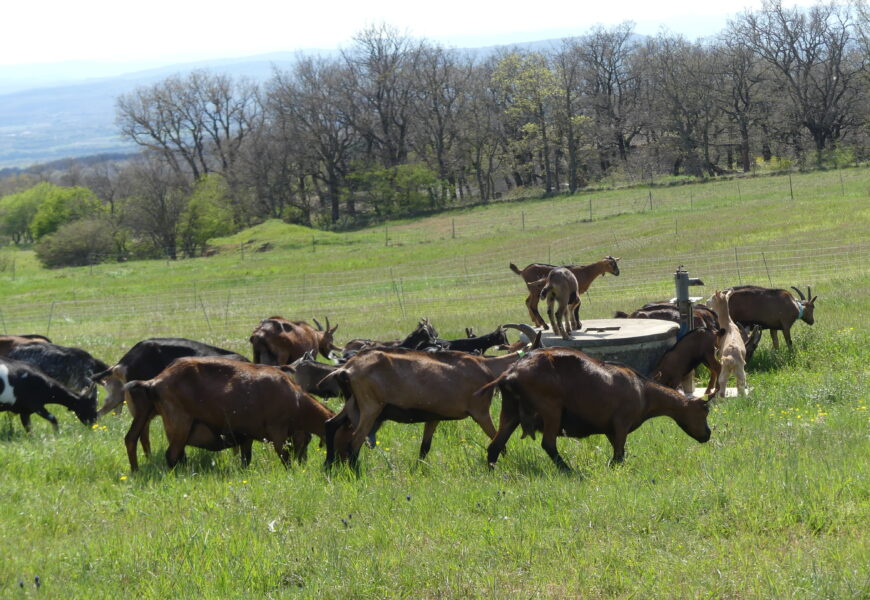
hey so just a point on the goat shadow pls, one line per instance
(532, 461)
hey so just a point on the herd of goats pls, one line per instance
(213, 398)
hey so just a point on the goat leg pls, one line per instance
(428, 432)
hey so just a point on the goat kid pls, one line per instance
(732, 350)
(561, 288)
(677, 367)
(535, 276)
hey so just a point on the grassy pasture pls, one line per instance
(776, 505)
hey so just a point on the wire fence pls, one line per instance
(450, 288)
(229, 315)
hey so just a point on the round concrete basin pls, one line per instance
(638, 343)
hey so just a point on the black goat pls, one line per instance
(477, 345)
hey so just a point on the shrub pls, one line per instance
(83, 242)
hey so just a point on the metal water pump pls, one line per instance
(682, 281)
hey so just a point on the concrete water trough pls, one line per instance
(638, 343)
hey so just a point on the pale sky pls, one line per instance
(39, 31)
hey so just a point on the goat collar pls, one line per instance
(800, 308)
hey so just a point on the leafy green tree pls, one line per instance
(16, 213)
(59, 205)
(208, 214)
(400, 190)
(530, 89)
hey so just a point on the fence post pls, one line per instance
(766, 269)
(453, 229)
(204, 312)
(50, 314)
(737, 262)
(790, 188)
(739, 195)
(386, 234)
(842, 186)
(650, 200)
(590, 209)
(523, 217)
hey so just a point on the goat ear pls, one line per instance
(813, 301)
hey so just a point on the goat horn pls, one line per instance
(316, 322)
(809, 292)
(527, 330)
(327, 322)
(800, 293)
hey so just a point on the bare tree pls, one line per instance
(441, 90)
(158, 198)
(613, 85)
(379, 91)
(196, 123)
(309, 108)
(816, 56)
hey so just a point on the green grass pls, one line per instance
(776, 505)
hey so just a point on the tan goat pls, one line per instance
(732, 351)
(561, 287)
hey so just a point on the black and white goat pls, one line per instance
(25, 390)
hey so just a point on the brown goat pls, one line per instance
(145, 360)
(277, 341)
(773, 309)
(677, 366)
(563, 391)
(732, 350)
(410, 386)
(217, 403)
(535, 276)
(561, 288)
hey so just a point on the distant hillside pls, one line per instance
(50, 122)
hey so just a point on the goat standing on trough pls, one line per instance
(410, 386)
(561, 288)
(277, 341)
(773, 309)
(145, 360)
(217, 403)
(563, 391)
(24, 390)
(732, 351)
(535, 276)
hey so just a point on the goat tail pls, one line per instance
(516, 270)
(98, 377)
(145, 388)
(546, 290)
(491, 384)
(620, 315)
(341, 377)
